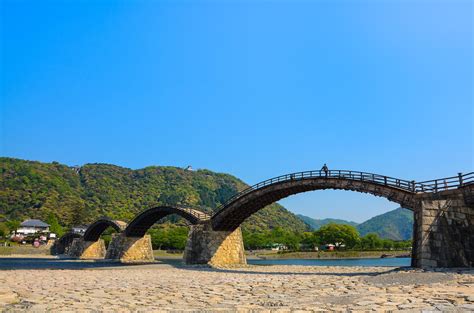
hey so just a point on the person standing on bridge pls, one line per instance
(325, 169)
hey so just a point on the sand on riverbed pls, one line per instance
(163, 287)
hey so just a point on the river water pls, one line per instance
(336, 262)
(12, 263)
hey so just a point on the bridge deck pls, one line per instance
(430, 186)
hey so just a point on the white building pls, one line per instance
(29, 227)
(81, 229)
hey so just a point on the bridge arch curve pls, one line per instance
(142, 222)
(96, 229)
(62, 245)
(67, 238)
(241, 206)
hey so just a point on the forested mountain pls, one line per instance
(395, 225)
(79, 195)
(315, 224)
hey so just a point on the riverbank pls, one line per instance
(168, 288)
(327, 254)
(24, 250)
(267, 254)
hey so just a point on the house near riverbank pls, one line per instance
(32, 226)
(278, 247)
(330, 247)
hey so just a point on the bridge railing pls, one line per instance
(406, 185)
(447, 183)
(192, 211)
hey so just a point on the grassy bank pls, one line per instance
(24, 250)
(326, 254)
(166, 255)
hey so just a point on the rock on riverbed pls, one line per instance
(161, 287)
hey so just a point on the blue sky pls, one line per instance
(252, 88)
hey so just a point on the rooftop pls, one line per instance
(34, 223)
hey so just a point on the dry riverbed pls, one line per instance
(163, 287)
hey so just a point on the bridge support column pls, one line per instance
(130, 249)
(444, 234)
(87, 250)
(59, 248)
(215, 248)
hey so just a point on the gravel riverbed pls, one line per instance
(164, 287)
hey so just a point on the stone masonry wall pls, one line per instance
(130, 249)
(444, 233)
(215, 248)
(93, 250)
(87, 249)
(76, 248)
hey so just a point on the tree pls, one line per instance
(256, 240)
(12, 225)
(159, 238)
(311, 239)
(371, 241)
(168, 236)
(54, 226)
(339, 234)
(388, 244)
(285, 237)
(4, 230)
(177, 237)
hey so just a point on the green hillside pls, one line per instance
(315, 224)
(80, 195)
(395, 225)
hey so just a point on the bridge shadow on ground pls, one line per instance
(254, 270)
(22, 263)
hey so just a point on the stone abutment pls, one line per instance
(444, 232)
(87, 249)
(214, 248)
(130, 249)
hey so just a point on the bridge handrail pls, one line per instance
(435, 185)
(192, 211)
(447, 183)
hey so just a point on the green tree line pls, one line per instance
(343, 236)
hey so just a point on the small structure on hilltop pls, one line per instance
(76, 168)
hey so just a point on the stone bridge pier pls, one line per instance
(215, 248)
(444, 230)
(130, 249)
(87, 250)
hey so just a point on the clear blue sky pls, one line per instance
(252, 88)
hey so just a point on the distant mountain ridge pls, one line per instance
(317, 223)
(396, 224)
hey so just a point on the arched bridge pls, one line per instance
(62, 245)
(245, 203)
(95, 230)
(443, 230)
(140, 224)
